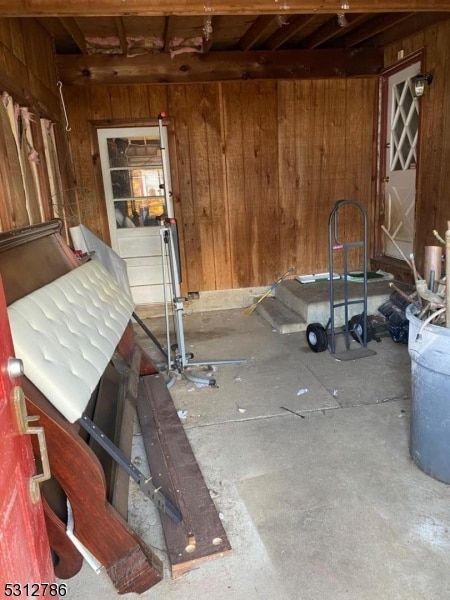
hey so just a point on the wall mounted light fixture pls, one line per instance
(420, 83)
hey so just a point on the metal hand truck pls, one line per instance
(320, 338)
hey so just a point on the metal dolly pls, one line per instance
(320, 338)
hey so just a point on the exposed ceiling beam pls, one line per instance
(75, 33)
(207, 44)
(92, 8)
(331, 30)
(120, 28)
(294, 25)
(166, 34)
(408, 27)
(257, 32)
(219, 66)
(374, 27)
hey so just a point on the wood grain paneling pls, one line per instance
(28, 74)
(257, 168)
(238, 219)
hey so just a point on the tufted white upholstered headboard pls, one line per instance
(66, 333)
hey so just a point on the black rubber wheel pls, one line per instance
(317, 338)
(356, 328)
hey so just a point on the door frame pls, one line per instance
(417, 56)
(100, 225)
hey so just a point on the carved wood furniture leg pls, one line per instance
(69, 560)
(131, 565)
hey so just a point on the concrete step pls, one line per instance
(311, 301)
(280, 317)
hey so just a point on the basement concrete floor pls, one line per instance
(307, 460)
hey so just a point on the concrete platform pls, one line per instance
(307, 460)
(294, 305)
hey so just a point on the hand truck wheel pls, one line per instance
(317, 337)
(356, 328)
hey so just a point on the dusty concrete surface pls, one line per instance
(307, 460)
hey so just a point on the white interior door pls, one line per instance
(136, 179)
(402, 122)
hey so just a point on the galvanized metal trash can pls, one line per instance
(430, 408)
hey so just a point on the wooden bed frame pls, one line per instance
(83, 473)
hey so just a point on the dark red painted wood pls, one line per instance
(24, 547)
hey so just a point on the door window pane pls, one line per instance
(137, 180)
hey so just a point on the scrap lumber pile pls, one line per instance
(430, 296)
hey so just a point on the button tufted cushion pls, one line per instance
(66, 333)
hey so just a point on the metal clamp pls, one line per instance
(23, 421)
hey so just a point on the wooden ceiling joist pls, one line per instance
(373, 28)
(219, 66)
(166, 34)
(92, 8)
(332, 30)
(121, 34)
(294, 25)
(208, 43)
(75, 33)
(406, 28)
(257, 32)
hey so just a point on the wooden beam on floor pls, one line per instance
(219, 66)
(201, 536)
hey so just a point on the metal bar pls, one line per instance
(145, 483)
(150, 335)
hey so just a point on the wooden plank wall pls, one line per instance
(27, 73)
(256, 168)
(27, 64)
(433, 185)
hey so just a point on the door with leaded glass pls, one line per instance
(402, 128)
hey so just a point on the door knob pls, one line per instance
(15, 368)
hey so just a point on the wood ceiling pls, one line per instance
(138, 41)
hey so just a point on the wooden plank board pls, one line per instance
(251, 104)
(39, 8)
(201, 536)
(289, 180)
(184, 202)
(200, 100)
(235, 166)
(218, 191)
(267, 209)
